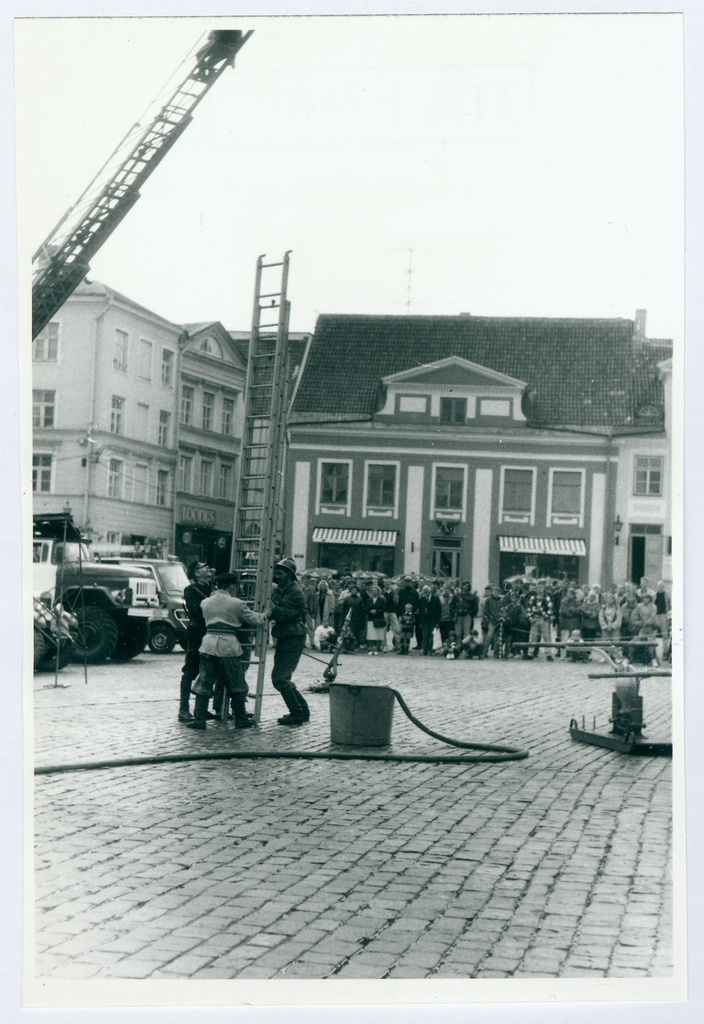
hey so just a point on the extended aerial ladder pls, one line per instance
(62, 261)
(263, 449)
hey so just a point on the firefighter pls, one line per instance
(288, 613)
(200, 587)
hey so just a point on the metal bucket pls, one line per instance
(361, 716)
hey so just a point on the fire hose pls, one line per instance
(490, 753)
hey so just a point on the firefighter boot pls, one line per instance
(184, 713)
(200, 713)
(295, 717)
(243, 720)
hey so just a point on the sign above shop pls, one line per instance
(197, 515)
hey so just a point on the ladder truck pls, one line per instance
(62, 261)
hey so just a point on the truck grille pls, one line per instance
(144, 593)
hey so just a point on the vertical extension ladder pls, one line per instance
(263, 449)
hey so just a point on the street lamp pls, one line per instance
(618, 526)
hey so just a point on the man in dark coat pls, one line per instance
(199, 588)
(429, 615)
(288, 612)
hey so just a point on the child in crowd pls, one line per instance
(471, 647)
(408, 627)
(451, 649)
(324, 638)
(576, 655)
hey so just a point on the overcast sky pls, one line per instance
(516, 165)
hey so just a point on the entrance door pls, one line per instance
(446, 563)
(645, 554)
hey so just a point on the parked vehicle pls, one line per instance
(55, 632)
(171, 580)
(113, 605)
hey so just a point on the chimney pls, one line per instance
(639, 325)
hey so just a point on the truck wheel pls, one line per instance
(131, 643)
(96, 635)
(39, 648)
(161, 639)
(48, 663)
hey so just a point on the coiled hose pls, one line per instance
(492, 753)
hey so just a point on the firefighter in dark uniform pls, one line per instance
(200, 587)
(288, 614)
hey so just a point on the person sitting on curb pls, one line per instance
(221, 652)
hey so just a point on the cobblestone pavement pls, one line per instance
(557, 866)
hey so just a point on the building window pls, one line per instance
(206, 478)
(113, 537)
(185, 473)
(494, 407)
(162, 487)
(647, 478)
(381, 487)
(164, 428)
(566, 490)
(186, 404)
(45, 347)
(334, 483)
(449, 489)
(228, 411)
(225, 481)
(119, 351)
(117, 411)
(142, 421)
(208, 407)
(412, 403)
(211, 347)
(140, 479)
(517, 495)
(453, 410)
(41, 473)
(145, 359)
(116, 478)
(167, 368)
(43, 408)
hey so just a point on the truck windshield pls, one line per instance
(70, 553)
(174, 577)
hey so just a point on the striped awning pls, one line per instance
(542, 546)
(371, 538)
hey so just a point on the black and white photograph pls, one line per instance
(354, 461)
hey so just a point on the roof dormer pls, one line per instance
(454, 391)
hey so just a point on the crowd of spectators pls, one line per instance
(376, 615)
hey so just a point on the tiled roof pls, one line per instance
(582, 373)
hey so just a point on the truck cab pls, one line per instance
(113, 604)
